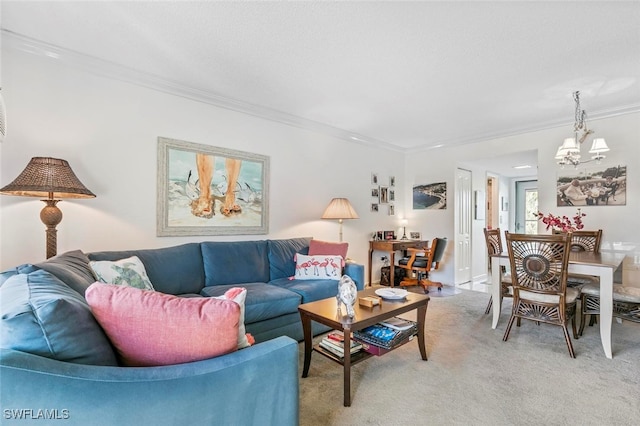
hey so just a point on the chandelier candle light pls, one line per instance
(569, 151)
(52, 179)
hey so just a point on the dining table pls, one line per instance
(602, 265)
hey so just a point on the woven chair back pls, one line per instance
(539, 262)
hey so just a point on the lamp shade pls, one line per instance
(570, 145)
(599, 145)
(340, 208)
(50, 178)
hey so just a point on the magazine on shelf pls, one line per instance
(398, 323)
(383, 336)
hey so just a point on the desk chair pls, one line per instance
(539, 277)
(422, 265)
(494, 246)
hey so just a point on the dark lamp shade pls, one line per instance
(49, 178)
(339, 208)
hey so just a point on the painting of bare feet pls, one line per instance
(207, 190)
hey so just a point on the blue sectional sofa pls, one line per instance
(56, 363)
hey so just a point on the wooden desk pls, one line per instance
(391, 246)
(602, 265)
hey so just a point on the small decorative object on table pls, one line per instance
(562, 223)
(370, 301)
(347, 295)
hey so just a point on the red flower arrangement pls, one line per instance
(562, 223)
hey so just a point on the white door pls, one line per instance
(463, 226)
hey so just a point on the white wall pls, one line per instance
(108, 132)
(619, 223)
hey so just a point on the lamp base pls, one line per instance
(404, 233)
(51, 216)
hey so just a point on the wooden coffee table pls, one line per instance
(326, 312)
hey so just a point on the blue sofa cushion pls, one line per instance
(263, 301)
(281, 253)
(72, 268)
(309, 290)
(172, 270)
(41, 315)
(235, 262)
(22, 269)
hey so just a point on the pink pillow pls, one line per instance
(150, 328)
(317, 247)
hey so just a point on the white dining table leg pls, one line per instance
(606, 309)
(496, 284)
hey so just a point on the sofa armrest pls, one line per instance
(254, 386)
(356, 272)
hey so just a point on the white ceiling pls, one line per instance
(403, 75)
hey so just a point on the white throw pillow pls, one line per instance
(318, 267)
(239, 295)
(128, 272)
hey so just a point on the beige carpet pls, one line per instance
(472, 377)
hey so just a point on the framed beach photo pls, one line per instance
(432, 196)
(207, 190)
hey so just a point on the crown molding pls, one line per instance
(115, 71)
(118, 72)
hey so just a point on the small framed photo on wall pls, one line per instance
(374, 178)
(374, 207)
(392, 210)
(392, 181)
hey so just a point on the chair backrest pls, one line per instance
(438, 245)
(494, 242)
(432, 254)
(585, 240)
(539, 262)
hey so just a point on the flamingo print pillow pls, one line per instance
(319, 267)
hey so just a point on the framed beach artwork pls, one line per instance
(432, 196)
(207, 190)
(604, 186)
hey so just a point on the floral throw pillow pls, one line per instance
(318, 267)
(128, 272)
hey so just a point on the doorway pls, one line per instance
(526, 207)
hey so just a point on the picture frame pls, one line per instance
(414, 235)
(187, 206)
(375, 193)
(374, 178)
(596, 186)
(389, 235)
(430, 196)
(374, 207)
(384, 195)
(392, 210)
(392, 181)
(392, 195)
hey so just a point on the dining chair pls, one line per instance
(421, 265)
(539, 278)
(626, 303)
(584, 241)
(494, 246)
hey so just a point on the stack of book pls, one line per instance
(334, 343)
(387, 334)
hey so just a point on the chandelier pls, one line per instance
(569, 151)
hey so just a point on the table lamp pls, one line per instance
(340, 208)
(51, 178)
